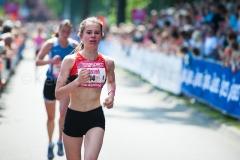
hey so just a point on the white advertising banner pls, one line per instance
(161, 70)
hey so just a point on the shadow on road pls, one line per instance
(179, 114)
(166, 109)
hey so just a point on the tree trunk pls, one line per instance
(121, 11)
(86, 8)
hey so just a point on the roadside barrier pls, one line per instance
(204, 80)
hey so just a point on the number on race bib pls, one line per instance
(92, 77)
(56, 70)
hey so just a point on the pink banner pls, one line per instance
(11, 7)
(139, 14)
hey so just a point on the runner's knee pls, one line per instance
(62, 113)
(90, 157)
(51, 118)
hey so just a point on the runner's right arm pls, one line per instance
(62, 90)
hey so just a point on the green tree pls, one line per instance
(55, 6)
(112, 16)
(130, 4)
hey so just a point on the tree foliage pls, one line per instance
(131, 4)
(105, 7)
(56, 7)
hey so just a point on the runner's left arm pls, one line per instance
(111, 83)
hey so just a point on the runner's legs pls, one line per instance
(72, 147)
(50, 108)
(63, 109)
(93, 143)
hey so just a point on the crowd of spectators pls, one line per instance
(204, 29)
(12, 40)
(13, 35)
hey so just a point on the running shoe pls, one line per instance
(50, 152)
(60, 151)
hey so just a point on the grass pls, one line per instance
(213, 113)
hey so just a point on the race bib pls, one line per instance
(56, 69)
(97, 74)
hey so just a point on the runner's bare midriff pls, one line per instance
(85, 99)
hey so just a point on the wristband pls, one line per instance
(113, 91)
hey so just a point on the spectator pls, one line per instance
(218, 16)
(154, 18)
(161, 19)
(6, 49)
(165, 42)
(167, 27)
(157, 36)
(235, 56)
(207, 14)
(185, 38)
(7, 26)
(196, 43)
(148, 34)
(175, 41)
(231, 36)
(233, 18)
(39, 39)
(210, 44)
(6, 45)
(138, 34)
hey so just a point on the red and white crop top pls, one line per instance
(97, 67)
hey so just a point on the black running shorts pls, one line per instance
(49, 89)
(78, 123)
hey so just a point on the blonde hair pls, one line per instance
(82, 27)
